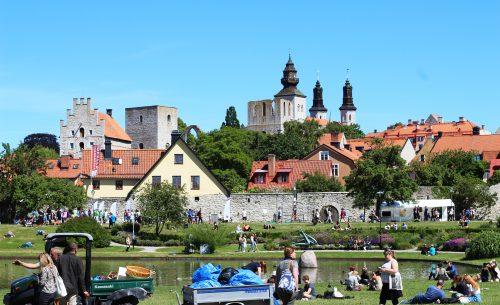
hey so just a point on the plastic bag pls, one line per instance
(245, 277)
(226, 275)
(206, 284)
(207, 272)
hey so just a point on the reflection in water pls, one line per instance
(178, 272)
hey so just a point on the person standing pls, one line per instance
(253, 243)
(128, 242)
(392, 286)
(244, 215)
(244, 243)
(72, 273)
(287, 271)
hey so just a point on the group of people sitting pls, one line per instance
(388, 227)
(429, 250)
(489, 272)
(356, 282)
(443, 271)
(337, 227)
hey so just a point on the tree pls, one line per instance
(33, 192)
(350, 131)
(318, 183)
(495, 178)
(162, 204)
(467, 192)
(42, 139)
(231, 119)
(381, 175)
(445, 168)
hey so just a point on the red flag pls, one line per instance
(95, 159)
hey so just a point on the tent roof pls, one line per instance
(430, 203)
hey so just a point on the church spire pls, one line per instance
(318, 99)
(290, 80)
(347, 101)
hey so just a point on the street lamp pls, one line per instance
(379, 205)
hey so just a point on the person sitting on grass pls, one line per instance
(433, 272)
(441, 273)
(365, 276)
(352, 282)
(433, 294)
(484, 276)
(425, 249)
(387, 227)
(475, 294)
(336, 227)
(432, 251)
(451, 270)
(404, 226)
(494, 271)
(309, 291)
(459, 286)
(375, 283)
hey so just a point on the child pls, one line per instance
(433, 272)
(309, 291)
(375, 281)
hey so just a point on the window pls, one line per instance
(82, 132)
(72, 132)
(71, 145)
(91, 143)
(140, 119)
(82, 146)
(96, 184)
(478, 158)
(422, 158)
(324, 155)
(90, 131)
(156, 181)
(196, 199)
(420, 146)
(135, 160)
(420, 139)
(119, 185)
(177, 181)
(335, 170)
(50, 166)
(178, 158)
(168, 118)
(263, 109)
(141, 146)
(116, 161)
(282, 178)
(260, 178)
(75, 166)
(386, 213)
(195, 182)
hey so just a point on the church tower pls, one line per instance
(347, 110)
(318, 110)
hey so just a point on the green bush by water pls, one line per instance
(88, 225)
(484, 245)
(205, 234)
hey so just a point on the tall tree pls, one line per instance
(42, 139)
(231, 119)
(318, 183)
(381, 175)
(350, 131)
(163, 204)
(467, 192)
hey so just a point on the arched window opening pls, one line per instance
(82, 132)
(82, 145)
(168, 118)
(263, 109)
(140, 119)
(141, 146)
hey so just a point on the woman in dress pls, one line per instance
(392, 287)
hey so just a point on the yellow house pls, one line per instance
(180, 166)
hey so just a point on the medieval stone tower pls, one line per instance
(288, 104)
(318, 110)
(151, 126)
(347, 110)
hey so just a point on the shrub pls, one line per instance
(324, 238)
(402, 245)
(87, 225)
(127, 227)
(204, 234)
(387, 240)
(498, 222)
(173, 243)
(484, 245)
(456, 244)
(271, 246)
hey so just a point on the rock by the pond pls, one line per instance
(308, 260)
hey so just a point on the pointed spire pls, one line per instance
(318, 105)
(290, 80)
(347, 100)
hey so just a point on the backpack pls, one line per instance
(226, 275)
(286, 281)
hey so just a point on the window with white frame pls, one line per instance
(260, 178)
(324, 155)
(335, 170)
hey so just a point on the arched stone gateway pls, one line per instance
(324, 214)
(186, 132)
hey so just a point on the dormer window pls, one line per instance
(260, 178)
(75, 166)
(50, 166)
(324, 155)
(116, 161)
(135, 160)
(282, 178)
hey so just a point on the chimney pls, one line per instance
(422, 121)
(109, 112)
(476, 130)
(64, 162)
(175, 135)
(461, 119)
(409, 121)
(440, 119)
(107, 149)
(271, 164)
(375, 131)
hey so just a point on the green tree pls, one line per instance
(42, 139)
(231, 119)
(318, 183)
(163, 204)
(495, 178)
(447, 167)
(33, 192)
(381, 175)
(467, 192)
(350, 131)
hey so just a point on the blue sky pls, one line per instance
(406, 59)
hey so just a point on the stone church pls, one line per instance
(290, 104)
(86, 126)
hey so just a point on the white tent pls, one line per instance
(403, 211)
(227, 210)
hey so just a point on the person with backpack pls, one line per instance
(287, 278)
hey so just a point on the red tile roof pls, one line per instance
(125, 170)
(488, 145)
(64, 168)
(296, 169)
(426, 129)
(113, 129)
(328, 138)
(321, 122)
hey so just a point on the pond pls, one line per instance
(178, 272)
